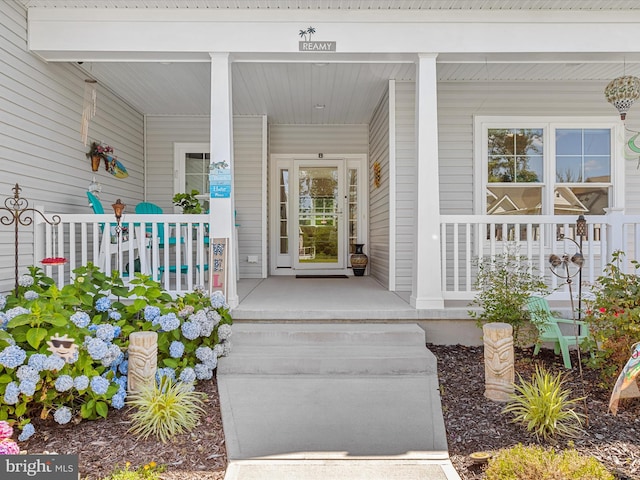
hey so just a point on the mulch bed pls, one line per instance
(473, 423)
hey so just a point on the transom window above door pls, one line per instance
(532, 167)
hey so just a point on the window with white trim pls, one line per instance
(533, 167)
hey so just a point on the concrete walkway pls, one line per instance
(332, 401)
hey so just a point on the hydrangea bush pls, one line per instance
(97, 312)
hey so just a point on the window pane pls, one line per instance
(568, 141)
(529, 169)
(528, 141)
(501, 169)
(597, 142)
(580, 200)
(597, 169)
(520, 200)
(569, 169)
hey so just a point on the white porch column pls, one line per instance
(221, 209)
(426, 291)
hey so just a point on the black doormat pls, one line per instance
(321, 276)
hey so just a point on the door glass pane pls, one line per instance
(353, 209)
(318, 214)
(284, 210)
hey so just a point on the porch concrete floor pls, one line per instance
(290, 298)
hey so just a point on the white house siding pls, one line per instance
(378, 247)
(164, 131)
(40, 142)
(405, 183)
(309, 139)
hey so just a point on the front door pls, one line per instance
(318, 210)
(318, 215)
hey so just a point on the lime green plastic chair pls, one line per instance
(549, 329)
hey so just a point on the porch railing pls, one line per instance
(467, 238)
(171, 248)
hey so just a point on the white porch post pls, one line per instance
(221, 209)
(426, 290)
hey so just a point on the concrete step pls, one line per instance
(329, 359)
(334, 334)
(341, 470)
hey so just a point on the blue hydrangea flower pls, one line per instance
(53, 362)
(12, 356)
(36, 361)
(11, 393)
(25, 372)
(103, 304)
(93, 328)
(80, 319)
(188, 375)
(190, 330)
(204, 354)
(114, 315)
(121, 382)
(123, 368)
(3, 301)
(214, 316)
(218, 350)
(3, 321)
(186, 311)
(64, 383)
(97, 348)
(165, 372)
(27, 431)
(169, 322)
(15, 311)
(81, 382)
(116, 331)
(28, 387)
(224, 332)
(113, 353)
(203, 372)
(62, 415)
(117, 401)
(99, 385)
(105, 332)
(176, 349)
(151, 313)
(30, 295)
(218, 300)
(25, 280)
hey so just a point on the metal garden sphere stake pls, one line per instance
(560, 267)
(17, 208)
(621, 92)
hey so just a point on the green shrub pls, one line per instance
(537, 463)
(613, 316)
(188, 202)
(165, 409)
(193, 330)
(543, 406)
(150, 471)
(504, 283)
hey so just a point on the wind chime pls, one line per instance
(89, 104)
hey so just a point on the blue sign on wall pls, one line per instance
(220, 180)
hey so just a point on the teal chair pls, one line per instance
(148, 208)
(549, 329)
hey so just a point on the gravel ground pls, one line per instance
(473, 424)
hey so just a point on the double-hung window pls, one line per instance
(553, 166)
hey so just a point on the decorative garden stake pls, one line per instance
(143, 360)
(18, 208)
(560, 266)
(499, 371)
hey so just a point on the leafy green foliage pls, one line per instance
(188, 202)
(165, 410)
(504, 283)
(613, 316)
(537, 463)
(110, 312)
(150, 471)
(544, 406)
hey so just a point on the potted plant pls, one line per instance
(188, 202)
(504, 284)
(98, 152)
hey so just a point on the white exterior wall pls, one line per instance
(458, 102)
(378, 247)
(164, 131)
(406, 170)
(40, 143)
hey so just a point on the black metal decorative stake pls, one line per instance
(18, 209)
